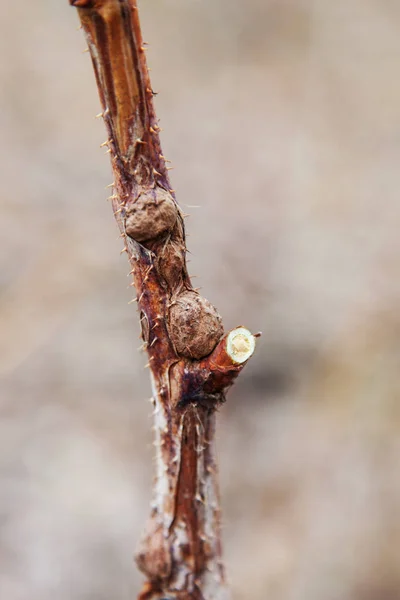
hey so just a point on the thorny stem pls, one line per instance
(192, 362)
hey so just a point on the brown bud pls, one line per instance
(171, 263)
(195, 327)
(152, 214)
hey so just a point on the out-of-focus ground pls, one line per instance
(282, 119)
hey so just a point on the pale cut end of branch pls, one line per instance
(240, 345)
(216, 373)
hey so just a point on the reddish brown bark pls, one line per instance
(191, 362)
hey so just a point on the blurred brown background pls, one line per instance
(282, 118)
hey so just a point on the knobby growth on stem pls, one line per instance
(192, 362)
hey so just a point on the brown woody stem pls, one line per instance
(192, 363)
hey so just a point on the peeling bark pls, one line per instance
(192, 362)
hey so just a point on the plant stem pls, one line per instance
(191, 361)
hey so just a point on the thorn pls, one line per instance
(151, 267)
(99, 115)
(79, 27)
(153, 342)
(85, 50)
(108, 151)
(112, 197)
(124, 250)
(104, 144)
(172, 191)
(152, 130)
(139, 141)
(119, 210)
(156, 172)
(169, 168)
(110, 185)
(132, 301)
(192, 205)
(258, 334)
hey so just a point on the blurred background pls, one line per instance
(282, 118)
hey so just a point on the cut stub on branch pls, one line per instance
(192, 362)
(206, 381)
